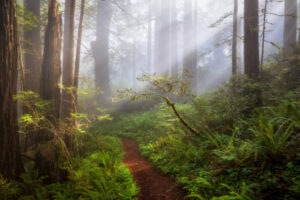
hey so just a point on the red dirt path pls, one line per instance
(153, 184)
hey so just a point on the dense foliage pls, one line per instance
(98, 174)
(246, 150)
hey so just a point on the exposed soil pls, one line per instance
(153, 184)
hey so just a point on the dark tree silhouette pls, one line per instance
(10, 160)
(251, 43)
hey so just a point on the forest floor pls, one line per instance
(153, 184)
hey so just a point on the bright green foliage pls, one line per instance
(98, 176)
(244, 151)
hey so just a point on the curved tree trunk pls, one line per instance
(10, 160)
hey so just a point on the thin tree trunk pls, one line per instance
(157, 39)
(174, 40)
(234, 39)
(32, 48)
(78, 49)
(251, 41)
(10, 159)
(165, 37)
(263, 39)
(149, 40)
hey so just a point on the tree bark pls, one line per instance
(101, 51)
(32, 47)
(263, 39)
(290, 25)
(251, 41)
(10, 159)
(234, 38)
(78, 49)
(51, 65)
(68, 60)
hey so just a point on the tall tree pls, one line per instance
(165, 37)
(78, 49)
(101, 50)
(234, 38)
(68, 98)
(157, 36)
(149, 39)
(251, 41)
(51, 65)
(263, 38)
(32, 47)
(190, 52)
(68, 59)
(290, 25)
(50, 78)
(10, 160)
(174, 39)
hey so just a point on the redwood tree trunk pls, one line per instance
(101, 51)
(234, 38)
(78, 49)
(32, 47)
(68, 62)
(251, 41)
(10, 160)
(51, 66)
(290, 25)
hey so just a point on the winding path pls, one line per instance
(153, 184)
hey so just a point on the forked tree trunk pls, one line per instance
(251, 48)
(10, 160)
(32, 48)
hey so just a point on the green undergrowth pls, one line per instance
(245, 151)
(98, 174)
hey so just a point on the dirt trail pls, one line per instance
(153, 184)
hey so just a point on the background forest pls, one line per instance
(208, 90)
